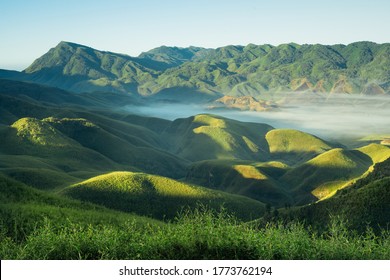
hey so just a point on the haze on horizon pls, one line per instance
(131, 27)
(336, 118)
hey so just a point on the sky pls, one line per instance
(28, 28)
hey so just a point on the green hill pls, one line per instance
(205, 137)
(121, 149)
(156, 196)
(363, 203)
(35, 92)
(294, 146)
(254, 70)
(24, 209)
(57, 151)
(322, 176)
(75, 67)
(32, 137)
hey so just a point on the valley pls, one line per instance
(189, 139)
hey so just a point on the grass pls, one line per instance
(72, 144)
(40, 133)
(377, 153)
(197, 234)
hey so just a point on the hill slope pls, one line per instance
(24, 209)
(322, 176)
(213, 137)
(364, 203)
(294, 146)
(156, 196)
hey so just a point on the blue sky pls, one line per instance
(30, 28)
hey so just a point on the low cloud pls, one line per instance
(333, 118)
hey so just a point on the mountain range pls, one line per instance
(195, 73)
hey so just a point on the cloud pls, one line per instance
(336, 117)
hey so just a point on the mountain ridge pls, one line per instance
(254, 70)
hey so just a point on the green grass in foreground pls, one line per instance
(195, 235)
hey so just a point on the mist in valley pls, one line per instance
(338, 117)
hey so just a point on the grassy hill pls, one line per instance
(294, 146)
(123, 150)
(323, 175)
(49, 147)
(362, 204)
(254, 70)
(29, 137)
(81, 137)
(213, 137)
(23, 209)
(156, 196)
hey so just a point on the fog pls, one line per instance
(330, 118)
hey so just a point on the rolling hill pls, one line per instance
(157, 196)
(364, 203)
(322, 176)
(294, 146)
(82, 146)
(23, 209)
(204, 137)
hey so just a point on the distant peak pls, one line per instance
(70, 44)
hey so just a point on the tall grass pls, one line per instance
(196, 234)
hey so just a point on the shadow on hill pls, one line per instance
(68, 158)
(227, 177)
(123, 150)
(328, 176)
(293, 158)
(363, 203)
(13, 108)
